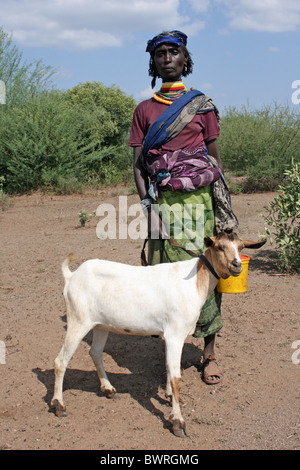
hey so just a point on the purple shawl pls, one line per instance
(183, 170)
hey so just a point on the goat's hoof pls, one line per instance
(109, 393)
(178, 428)
(60, 410)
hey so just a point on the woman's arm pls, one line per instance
(155, 225)
(212, 148)
(140, 173)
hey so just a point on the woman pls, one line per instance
(176, 173)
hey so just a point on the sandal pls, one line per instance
(212, 374)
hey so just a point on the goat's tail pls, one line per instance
(65, 266)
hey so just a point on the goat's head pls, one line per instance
(225, 252)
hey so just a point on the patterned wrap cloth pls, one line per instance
(183, 170)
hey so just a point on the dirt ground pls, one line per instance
(255, 407)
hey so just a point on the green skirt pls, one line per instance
(189, 217)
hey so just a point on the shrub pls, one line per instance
(84, 217)
(60, 143)
(283, 218)
(115, 108)
(259, 144)
(39, 142)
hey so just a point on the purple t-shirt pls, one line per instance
(202, 129)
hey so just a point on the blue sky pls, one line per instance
(244, 52)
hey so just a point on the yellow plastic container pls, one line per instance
(238, 284)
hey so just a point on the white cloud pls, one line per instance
(200, 6)
(206, 86)
(90, 24)
(274, 49)
(145, 94)
(70, 38)
(273, 16)
(193, 28)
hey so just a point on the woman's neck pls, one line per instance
(170, 91)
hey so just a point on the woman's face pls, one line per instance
(169, 61)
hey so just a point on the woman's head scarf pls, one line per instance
(171, 37)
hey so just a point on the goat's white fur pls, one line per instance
(164, 300)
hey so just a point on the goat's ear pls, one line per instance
(209, 241)
(254, 245)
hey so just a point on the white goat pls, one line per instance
(164, 300)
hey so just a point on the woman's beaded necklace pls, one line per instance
(170, 91)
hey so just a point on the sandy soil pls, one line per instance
(255, 407)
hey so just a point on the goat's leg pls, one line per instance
(75, 333)
(96, 353)
(173, 359)
(168, 393)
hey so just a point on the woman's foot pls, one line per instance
(212, 374)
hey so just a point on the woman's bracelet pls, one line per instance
(146, 203)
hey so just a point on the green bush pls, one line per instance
(51, 141)
(259, 144)
(39, 143)
(283, 220)
(115, 108)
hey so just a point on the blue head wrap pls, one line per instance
(172, 37)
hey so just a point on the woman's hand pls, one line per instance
(156, 227)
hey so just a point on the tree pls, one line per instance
(55, 141)
(110, 105)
